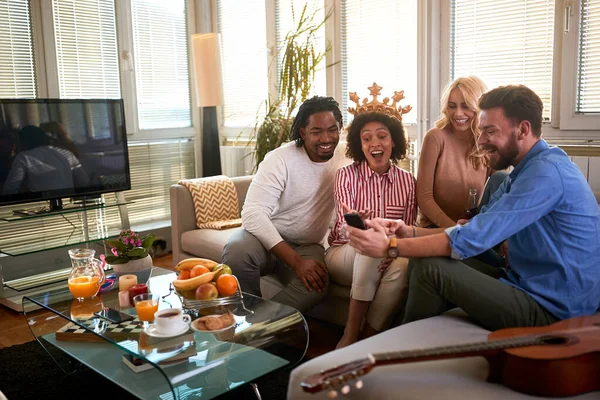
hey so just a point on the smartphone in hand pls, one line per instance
(113, 315)
(354, 220)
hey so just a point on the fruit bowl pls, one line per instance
(192, 303)
(189, 301)
(200, 286)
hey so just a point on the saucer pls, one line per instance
(194, 328)
(151, 331)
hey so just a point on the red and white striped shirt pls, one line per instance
(391, 195)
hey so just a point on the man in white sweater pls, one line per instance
(288, 209)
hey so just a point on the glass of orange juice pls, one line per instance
(146, 305)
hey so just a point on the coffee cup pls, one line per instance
(170, 320)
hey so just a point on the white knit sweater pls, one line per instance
(291, 197)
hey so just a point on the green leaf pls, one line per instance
(117, 260)
(137, 252)
(111, 259)
(147, 243)
(115, 243)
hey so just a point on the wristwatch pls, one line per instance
(392, 251)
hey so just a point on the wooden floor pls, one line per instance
(14, 330)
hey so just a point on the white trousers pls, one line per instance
(387, 291)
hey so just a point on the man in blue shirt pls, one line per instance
(546, 210)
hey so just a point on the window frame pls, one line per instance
(433, 71)
(567, 119)
(47, 70)
(555, 129)
(333, 58)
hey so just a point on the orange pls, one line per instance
(227, 285)
(198, 270)
(185, 274)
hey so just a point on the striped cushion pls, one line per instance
(215, 202)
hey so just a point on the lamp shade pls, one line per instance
(207, 69)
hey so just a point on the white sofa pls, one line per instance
(189, 241)
(452, 379)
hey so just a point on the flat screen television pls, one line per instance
(61, 148)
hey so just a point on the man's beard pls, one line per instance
(326, 157)
(506, 156)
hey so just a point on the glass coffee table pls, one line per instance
(266, 336)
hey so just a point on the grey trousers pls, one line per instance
(249, 260)
(437, 284)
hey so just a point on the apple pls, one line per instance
(206, 291)
(225, 271)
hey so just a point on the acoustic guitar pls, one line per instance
(558, 360)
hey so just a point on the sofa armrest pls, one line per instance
(242, 183)
(183, 217)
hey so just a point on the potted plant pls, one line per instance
(130, 253)
(299, 63)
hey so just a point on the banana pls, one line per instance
(193, 283)
(190, 263)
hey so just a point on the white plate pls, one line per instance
(193, 326)
(151, 331)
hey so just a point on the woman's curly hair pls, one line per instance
(397, 132)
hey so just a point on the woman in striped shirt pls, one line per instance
(375, 187)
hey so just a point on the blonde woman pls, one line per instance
(450, 162)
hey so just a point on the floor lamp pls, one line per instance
(207, 70)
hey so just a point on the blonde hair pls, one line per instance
(471, 88)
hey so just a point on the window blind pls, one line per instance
(161, 63)
(588, 71)
(507, 44)
(86, 48)
(155, 166)
(287, 16)
(17, 72)
(379, 44)
(244, 55)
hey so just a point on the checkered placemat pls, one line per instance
(122, 331)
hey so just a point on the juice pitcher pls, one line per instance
(87, 273)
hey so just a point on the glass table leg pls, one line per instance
(254, 387)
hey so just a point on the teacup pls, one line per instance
(170, 320)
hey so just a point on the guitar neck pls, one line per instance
(456, 351)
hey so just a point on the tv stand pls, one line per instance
(88, 223)
(56, 205)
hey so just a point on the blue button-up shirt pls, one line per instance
(551, 218)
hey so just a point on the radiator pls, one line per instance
(236, 160)
(590, 166)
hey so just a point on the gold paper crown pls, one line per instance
(377, 106)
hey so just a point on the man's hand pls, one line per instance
(312, 273)
(373, 242)
(503, 251)
(384, 264)
(391, 227)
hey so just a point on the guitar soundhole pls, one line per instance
(554, 340)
